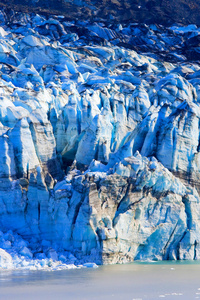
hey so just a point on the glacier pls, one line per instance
(99, 142)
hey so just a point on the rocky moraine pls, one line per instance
(99, 141)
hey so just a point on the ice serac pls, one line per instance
(99, 141)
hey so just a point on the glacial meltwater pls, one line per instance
(168, 280)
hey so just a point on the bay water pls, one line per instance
(136, 281)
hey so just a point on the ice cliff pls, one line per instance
(99, 139)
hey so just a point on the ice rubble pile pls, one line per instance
(22, 255)
(99, 139)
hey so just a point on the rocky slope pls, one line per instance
(99, 139)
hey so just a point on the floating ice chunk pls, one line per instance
(90, 265)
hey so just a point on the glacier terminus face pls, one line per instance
(99, 142)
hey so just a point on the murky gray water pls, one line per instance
(134, 281)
